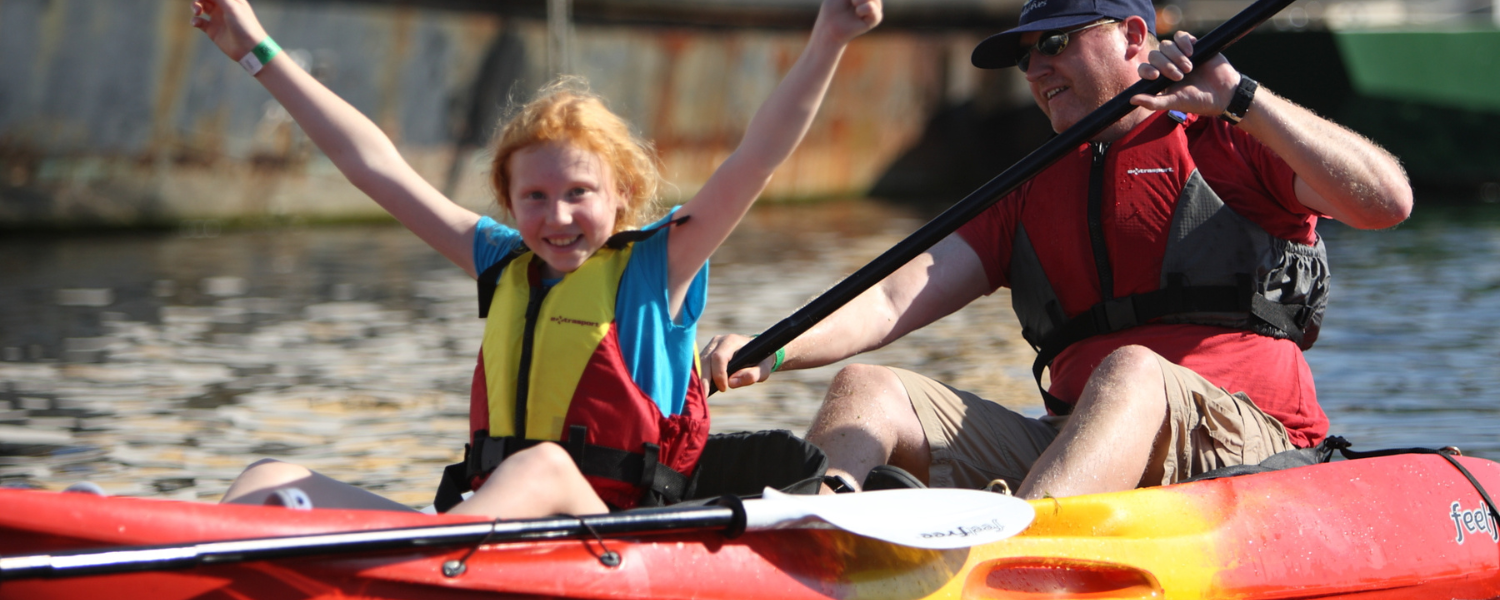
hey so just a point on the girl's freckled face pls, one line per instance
(564, 201)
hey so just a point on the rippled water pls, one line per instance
(161, 364)
(1409, 351)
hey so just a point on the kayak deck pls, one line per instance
(1396, 527)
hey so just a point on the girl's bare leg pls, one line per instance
(536, 482)
(261, 479)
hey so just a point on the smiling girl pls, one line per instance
(589, 339)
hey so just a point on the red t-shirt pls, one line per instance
(1251, 180)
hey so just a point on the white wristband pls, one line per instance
(258, 57)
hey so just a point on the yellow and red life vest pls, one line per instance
(550, 369)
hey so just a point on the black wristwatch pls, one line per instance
(1240, 104)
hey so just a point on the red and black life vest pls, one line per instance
(1218, 268)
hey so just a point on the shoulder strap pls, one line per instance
(625, 238)
(490, 278)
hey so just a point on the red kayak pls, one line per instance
(1409, 526)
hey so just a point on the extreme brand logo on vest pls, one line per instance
(574, 321)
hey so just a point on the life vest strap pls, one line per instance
(1175, 299)
(489, 280)
(740, 464)
(625, 238)
(636, 468)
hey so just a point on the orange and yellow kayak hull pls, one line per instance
(1395, 527)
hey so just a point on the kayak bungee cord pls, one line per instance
(606, 557)
(1447, 453)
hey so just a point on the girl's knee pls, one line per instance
(272, 472)
(542, 460)
(262, 478)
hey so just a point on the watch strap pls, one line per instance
(1244, 93)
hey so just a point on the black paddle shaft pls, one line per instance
(78, 563)
(782, 333)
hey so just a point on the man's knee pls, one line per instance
(864, 383)
(1131, 361)
(862, 396)
(1130, 378)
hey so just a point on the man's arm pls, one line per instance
(935, 284)
(1339, 173)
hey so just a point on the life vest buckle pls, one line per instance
(1115, 315)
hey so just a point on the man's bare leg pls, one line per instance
(867, 420)
(1109, 438)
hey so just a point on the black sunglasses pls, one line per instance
(1052, 43)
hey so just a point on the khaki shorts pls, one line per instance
(975, 441)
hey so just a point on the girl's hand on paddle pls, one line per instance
(1206, 90)
(230, 24)
(844, 20)
(718, 352)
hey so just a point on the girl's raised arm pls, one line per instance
(773, 133)
(359, 149)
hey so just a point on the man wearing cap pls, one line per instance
(1168, 272)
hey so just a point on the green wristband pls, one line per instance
(260, 55)
(780, 356)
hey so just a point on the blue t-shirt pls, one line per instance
(658, 351)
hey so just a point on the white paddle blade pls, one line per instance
(937, 519)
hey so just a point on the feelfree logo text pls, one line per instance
(1471, 522)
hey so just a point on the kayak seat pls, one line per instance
(745, 463)
(891, 477)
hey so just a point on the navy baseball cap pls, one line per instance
(999, 51)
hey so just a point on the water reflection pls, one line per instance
(161, 364)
